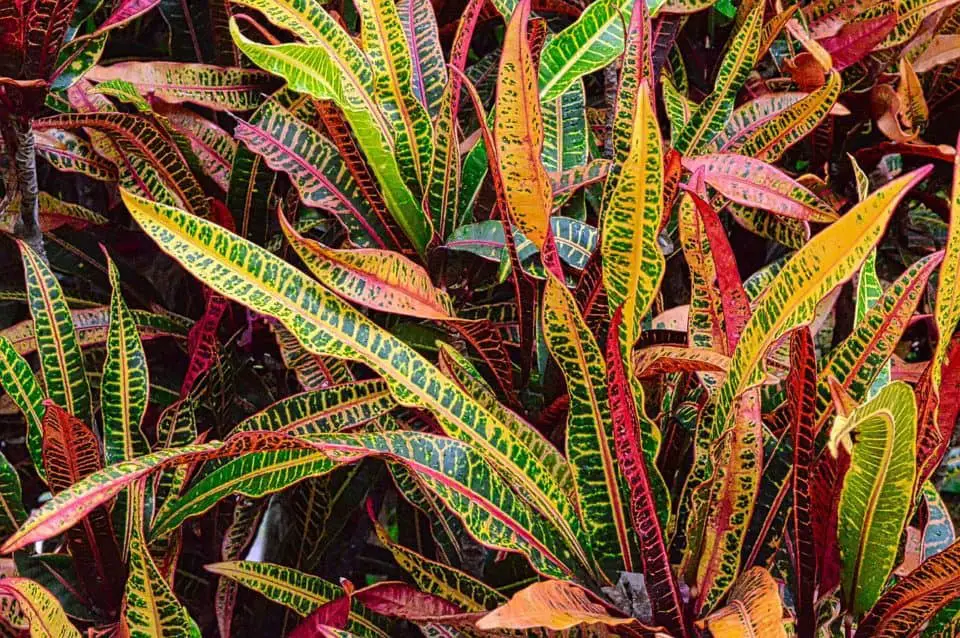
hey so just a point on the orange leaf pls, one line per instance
(552, 604)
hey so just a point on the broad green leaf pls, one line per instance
(61, 361)
(518, 135)
(443, 181)
(590, 445)
(333, 68)
(388, 52)
(565, 131)
(790, 301)
(677, 106)
(252, 475)
(125, 383)
(630, 223)
(301, 592)
(877, 491)
(712, 114)
(22, 387)
(326, 325)
(213, 87)
(374, 278)
(44, 615)
(151, 609)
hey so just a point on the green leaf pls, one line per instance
(877, 491)
(22, 387)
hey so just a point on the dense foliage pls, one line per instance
(388, 317)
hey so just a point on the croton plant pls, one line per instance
(522, 317)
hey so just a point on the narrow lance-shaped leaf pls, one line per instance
(61, 361)
(379, 279)
(590, 443)
(386, 47)
(659, 577)
(630, 222)
(518, 134)
(877, 491)
(802, 401)
(710, 117)
(12, 513)
(947, 308)
(44, 614)
(328, 326)
(22, 387)
(869, 292)
(828, 260)
(429, 71)
(150, 607)
(68, 152)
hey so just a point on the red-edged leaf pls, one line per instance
(202, 341)
(71, 451)
(938, 415)
(484, 339)
(733, 298)
(661, 582)
(332, 614)
(400, 600)
(826, 484)
(126, 11)
(45, 23)
(802, 402)
(904, 608)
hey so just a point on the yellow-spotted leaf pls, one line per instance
(658, 360)
(22, 387)
(332, 67)
(429, 69)
(947, 309)
(61, 360)
(214, 87)
(711, 115)
(68, 152)
(43, 613)
(738, 465)
(125, 382)
(753, 183)
(877, 491)
(753, 609)
(828, 260)
(767, 126)
(386, 47)
(910, 14)
(443, 177)
(518, 134)
(378, 279)
(601, 491)
(326, 325)
(150, 608)
(630, 223)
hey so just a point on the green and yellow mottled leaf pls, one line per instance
(877, 491)
(326, 325)
(630, 223)
(790, 301)
(601, 490)
(12, 513)
(333, 68)
(385, 45)
(44, 615)
(869, 292)
(443, 181)
(293, 589)
(429, 70)
(947, 308)
(61, 361)
(711, 115)
(22, 387)
(70, 153)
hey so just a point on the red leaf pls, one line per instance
(855, 40)
(802, 402)
(937, 418)
(332, 614)
(659, 577)
(203, 341)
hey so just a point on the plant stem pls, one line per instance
(25, 163)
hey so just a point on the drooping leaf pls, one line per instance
(754, 609)
(70, 153)
(213, 87)
(44, 615)
(551, 604)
